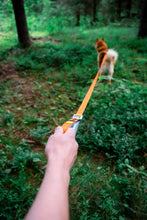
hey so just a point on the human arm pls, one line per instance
(51, 202)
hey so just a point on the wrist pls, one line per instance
(58, 170)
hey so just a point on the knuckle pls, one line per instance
(51, 137)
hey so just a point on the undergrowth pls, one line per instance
(99, 192)
(116, 124)
(42, 87)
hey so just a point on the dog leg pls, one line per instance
(101, 72)
(109, 81)
(111, 71)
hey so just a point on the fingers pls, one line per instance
(70, 132)
(58, 130)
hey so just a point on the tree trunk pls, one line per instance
(118, 8)
(128, 8)
(21, 23)
(139, 6)
(143, 21)
(77, 17)
(94, 11)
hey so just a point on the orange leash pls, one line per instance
(75, 120)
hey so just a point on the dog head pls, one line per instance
(101, 45)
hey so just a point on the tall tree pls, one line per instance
(128, 8)
(118, 4)
(78, 10)
(77, 13)
(94, 10)
(21, 23)
(77, 7)
(143, 21)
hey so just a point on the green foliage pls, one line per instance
(34, 6)
(115, 122)
(39, 132)
(43, 86)
(54, 16)
(17, 165)
(99, 193)
(42, 57)
(6, 6)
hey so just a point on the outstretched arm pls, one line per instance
(51, 202)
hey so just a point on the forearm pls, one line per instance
(52, 199)
(51, 202)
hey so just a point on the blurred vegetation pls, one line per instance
(42, 86)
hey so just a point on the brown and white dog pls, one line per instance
(111, 58)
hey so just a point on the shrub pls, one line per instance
(51, 56)
(97, 192)
(17, 167)
(115, 124)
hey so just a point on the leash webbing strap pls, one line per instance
(74, 121)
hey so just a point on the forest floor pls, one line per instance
(42, 87)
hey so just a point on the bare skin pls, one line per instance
(51, 202)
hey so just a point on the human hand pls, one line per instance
(61, 149)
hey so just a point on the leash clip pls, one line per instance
(77, 117)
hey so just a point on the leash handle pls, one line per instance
(67, 125)
(75, 126)
(72, 123)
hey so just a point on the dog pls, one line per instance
(111, 58)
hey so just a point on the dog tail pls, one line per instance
(112, 56)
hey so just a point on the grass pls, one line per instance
(42, 87)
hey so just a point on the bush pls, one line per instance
(50, 56)
(115, 124)
(100, 193)
(17, 167)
